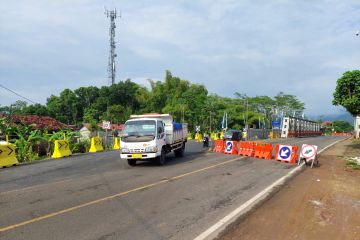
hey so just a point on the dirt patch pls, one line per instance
(319, 203)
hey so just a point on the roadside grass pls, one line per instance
(353, 163)
(353, 150)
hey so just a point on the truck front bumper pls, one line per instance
(138, 156)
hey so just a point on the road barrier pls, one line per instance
(7, 155)
(341, 134)
(116, 143)
(242, 148)
(247, 148)
(283, 153)
(189, 136)
(198, 137)
(267, 153)
(231, 147)
(260, 147)
(263, 150)
(250, 149)
(219, 146)
(61, 149)
(96, 144)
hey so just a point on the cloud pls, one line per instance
(253, 47)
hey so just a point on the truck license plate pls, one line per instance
(137, 156)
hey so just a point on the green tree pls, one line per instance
(289, 104)
(65, 107)
(342, 126)
(347, 92)
(185, 101)
(158, 97)
(195, 97)
(117, 114)
(36, 109)
(87, 95)
(91, 115)
(18, 107)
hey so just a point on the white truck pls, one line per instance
(149, 137)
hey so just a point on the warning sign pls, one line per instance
(106, 125)
(198, 128)
(308, 152)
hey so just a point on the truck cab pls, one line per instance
(151, 137)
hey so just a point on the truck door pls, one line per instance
(160, 136)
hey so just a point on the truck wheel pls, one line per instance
(131, 162)
(180, 152)
(160, 160)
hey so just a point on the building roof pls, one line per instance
(39, 122)
(325, 123)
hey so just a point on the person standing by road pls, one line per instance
(244, 134)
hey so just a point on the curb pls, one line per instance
(226, 223)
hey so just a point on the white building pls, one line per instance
(357, 126)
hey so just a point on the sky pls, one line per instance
(251, 47)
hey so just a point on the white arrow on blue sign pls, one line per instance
(284, 152)
(229, 146)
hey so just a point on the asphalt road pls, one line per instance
(98, 196)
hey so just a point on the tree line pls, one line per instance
(187, 102)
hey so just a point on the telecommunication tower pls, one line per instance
(112, 14)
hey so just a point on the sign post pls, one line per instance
(308, 152)
(106, 126)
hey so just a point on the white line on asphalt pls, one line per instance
(218, 227)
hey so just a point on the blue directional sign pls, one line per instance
(229, 146)
(275, 124)
(284, 152)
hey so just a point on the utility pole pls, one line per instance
(112, 14)
(183, 113)
(247, 114)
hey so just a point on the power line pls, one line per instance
(17, 94)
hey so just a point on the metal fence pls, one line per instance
(254, 134)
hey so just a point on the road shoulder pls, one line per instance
(319, 203)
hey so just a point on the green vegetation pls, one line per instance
(339, 127)
(353, 163)
(33, 144)
(347, 92)
(187, 102)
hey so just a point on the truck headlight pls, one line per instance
(151, 149)
(125, 150)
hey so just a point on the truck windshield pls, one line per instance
(139, 131)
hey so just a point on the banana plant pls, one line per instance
(26, 139)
